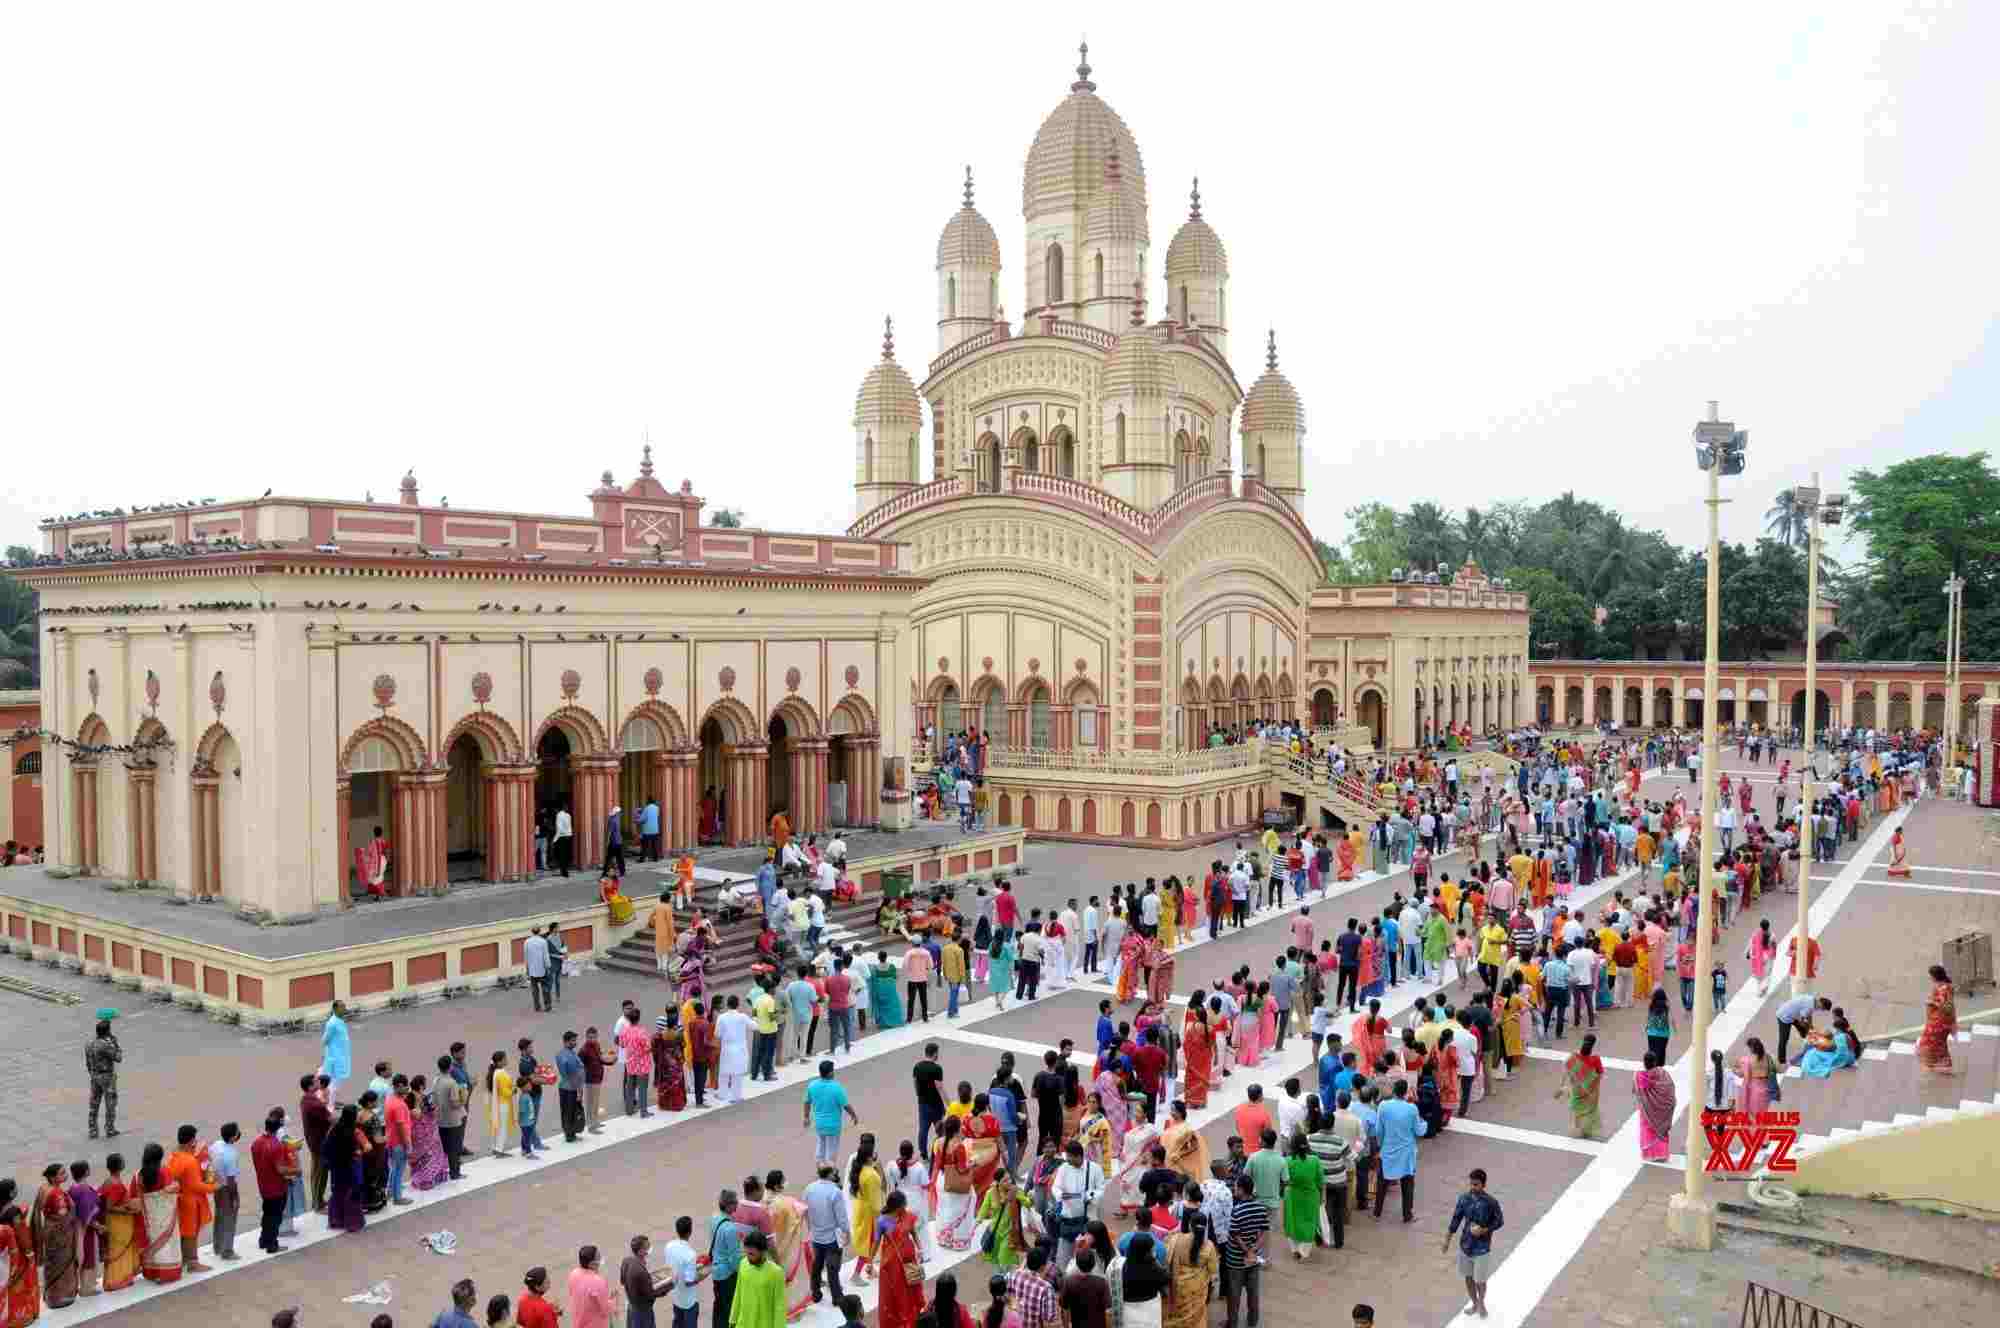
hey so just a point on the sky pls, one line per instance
(1507, 250)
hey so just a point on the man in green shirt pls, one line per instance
(760, 1287)
(1266, 1169)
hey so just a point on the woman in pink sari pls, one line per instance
(1654, 1088)
(1371, 1037)
(1267, 1019)
(1109, 1091)
(1940, 1022)
(1248, 1049)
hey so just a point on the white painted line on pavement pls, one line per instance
(1610, 1062)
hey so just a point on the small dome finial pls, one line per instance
(646, 455)
(968, 186)
(888, 337)
(1138, 302)
(1083, 83)
(1194, 200)
(1271, 350)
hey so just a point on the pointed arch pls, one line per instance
(734, 719)
(498, 743)
(93, 730)
(801, 720)
(1082, 691)
(672, 730)
(400, 737)
(218, 733)
(1216, 691)
(1026, 691)
(1262, 691)
(584, 730)
(1239, 690)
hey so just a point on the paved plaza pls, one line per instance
(1584, 1241)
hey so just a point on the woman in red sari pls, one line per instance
(899, 1268)
(53, 1227)
(983, 1153)
(1940, 1022)
(21, 1298)
(1197, 1054)
(1899, 864)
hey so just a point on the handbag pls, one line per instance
(913, 1273)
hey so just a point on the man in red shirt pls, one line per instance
(1253, 1117)
(275, 1166)
(534, 1309)
(1149, 1062)
(701, 1051)
(839, 1008)
(1006, 908)
(396, 1134)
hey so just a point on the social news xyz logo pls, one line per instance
(1736, 1139)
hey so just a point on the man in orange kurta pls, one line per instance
(186, 1170)
(663, 932)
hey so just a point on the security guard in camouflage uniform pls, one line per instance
(100, 1058)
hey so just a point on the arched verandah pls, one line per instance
(385, 787)
(732, 763)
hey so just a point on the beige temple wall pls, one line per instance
(292, 701)
(1365, 639)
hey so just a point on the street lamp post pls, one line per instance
(1808, 500)
(1954, 592)
(1719, 450)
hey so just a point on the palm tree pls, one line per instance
(1787, 521)
(1619, 554)
(1429, 536)
(1474, 527)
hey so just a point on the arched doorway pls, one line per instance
(853, 764)
(467, 832)
(711, 771)
(1757, 707)
(1725, 706)
(554, 781)
(731, 770)
(1822, 710)
(1545, 705)
(986, 460)
(1324, 713)
(147, 818)
(88, 796)
(1030, 449)
(1573, 706)
(1663, 706)
(639, 743)
(1934, 711)
(1368, 710)
(1899, 710)
(950, 713)
(795, 773)
(1635, 703)
(1039, 735)
(1063, 443)
(1864, 710)
(1691, 702)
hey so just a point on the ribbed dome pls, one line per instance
(1273, 402)
(968, 238)
(1137, 365)
(1196, 250)
(1113, 217)
(887, 395)
(1066, 163)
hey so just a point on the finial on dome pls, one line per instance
(1271, 350)
(888, 337)
(1083, 83)
(1194, 200)
(1138, 302)
(968, 186)
(646, 456)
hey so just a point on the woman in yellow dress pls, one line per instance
(1513, 1026)
(1095, 1132)
(1191, 1269)
(1449, 891)
(865, 1186)
(1642, 979)
(1170, 911)
(500, 1120)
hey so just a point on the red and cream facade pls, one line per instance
(1659, 694)
(444, 674)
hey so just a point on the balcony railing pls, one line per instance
(1213, 760)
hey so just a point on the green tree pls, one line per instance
(1926, 519)
(726, 518)
(1560, 625)
(1635, 619)
(1374, 544)
(20, 657)
(1431, 538)
(1618, 555)
(1786, 521)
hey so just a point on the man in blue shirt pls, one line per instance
(1329, 1067)
(725, 1251)
(1398, 1127)
(1107, 1028)
(649, 831)
(1392, 939)
(463, 1298)
(1480, 1213)
(827, 1224)
(825, 1101)
(569, 1088)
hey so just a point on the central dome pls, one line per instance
(1066, 163)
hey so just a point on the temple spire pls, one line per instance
(1083, 83)
(888, 337)
(1271, 350)
(968, 186)
(646, 455)
(1194, 200)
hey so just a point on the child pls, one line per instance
(1684, 965)
(1720, 981)
(1461, 957)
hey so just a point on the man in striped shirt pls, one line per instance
(1243, 1256)
(1330, 1146)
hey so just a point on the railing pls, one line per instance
(998, 332)
(1076, 491)
(1765, 1308)
(882, 513)
(1084, 332)
(1207, 489)
(1154, 764)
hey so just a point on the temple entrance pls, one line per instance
(1693, 705)
(1369, 714)
(711, 775)
(778, 773)
(1822, 712)
(1324, 712)
(465, 820)
(636, 783)
(553, 780)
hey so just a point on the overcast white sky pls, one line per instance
(1509, 250)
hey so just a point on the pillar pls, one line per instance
(343, 824)
(204, 880)
(809, 757)
(1589, 699)
(83, 788)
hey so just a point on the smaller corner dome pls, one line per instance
(968, 238)
(1137, 365)
(1273, 403)
(1196, 250)
(887, 395)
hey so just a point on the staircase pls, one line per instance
(1353, 802)
(851, 925)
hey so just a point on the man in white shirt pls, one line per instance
(1091, 928)
(732, 1036)
(1412, 929)
(815, 922)
(1725, 827)
(1292, 1108)
(535, 955)
(1149, 911)
(1583, 963)
(1076, 1181)
(1072, 937)
(564, 842)
(836, 852)
(686, 1268)
(965, 804)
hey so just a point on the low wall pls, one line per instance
(1955, 1161)
(261, 992)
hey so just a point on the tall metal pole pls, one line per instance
(1954, 621)
(1691, 1217)
(1803, 941)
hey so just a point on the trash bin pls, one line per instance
(896, 882)
(1968, 958)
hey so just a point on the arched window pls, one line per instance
(1185, 320)
(1066, 456)
(1121, 437)
(989, 465)
(1099, 290)
(993, 715)
(1263, 464)
(31, 764)
(1054, 267)
(1038, 718)
(868, 457)
(992, 296)
(951, 716)
(1031, 454)
(951, 297)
